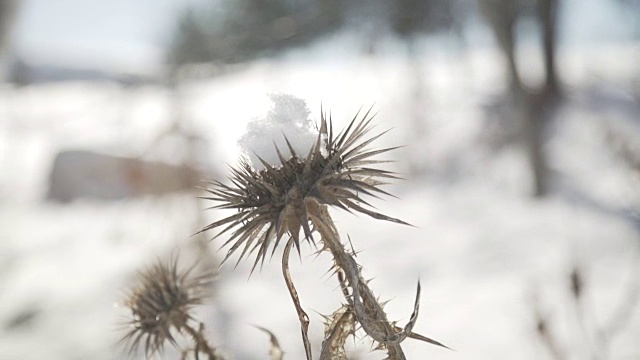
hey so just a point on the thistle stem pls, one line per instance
(302, 316)
(368, 310)
(202, 345)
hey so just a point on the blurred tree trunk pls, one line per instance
(533, 106)
(8, 10)
(548, 17)
(534, 120)
(501, 15)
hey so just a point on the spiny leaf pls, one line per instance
(275, 352)
(340, 325)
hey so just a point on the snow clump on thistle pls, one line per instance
(288, 116)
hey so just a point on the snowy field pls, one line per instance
(487, 254)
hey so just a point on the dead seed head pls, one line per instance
(577, 283)
(161, 303)
(275, 201)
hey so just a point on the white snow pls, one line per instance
(481, 247)
(288, 117)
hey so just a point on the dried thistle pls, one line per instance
(294, 196)
(274, 201)
(161, 303)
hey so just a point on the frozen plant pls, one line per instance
(292, 197)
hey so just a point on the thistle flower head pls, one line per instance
(162, 302)
(274, 202)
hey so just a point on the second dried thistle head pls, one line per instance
(162, 303)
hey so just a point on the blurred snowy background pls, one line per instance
(522, 159)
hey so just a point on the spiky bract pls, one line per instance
(272, 202)
(161, 303)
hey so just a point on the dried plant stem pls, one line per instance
(369, 312)
(304, 318)
(202, 345)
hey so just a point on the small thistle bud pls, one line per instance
(161, 303)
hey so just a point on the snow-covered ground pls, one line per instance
(483, 250)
